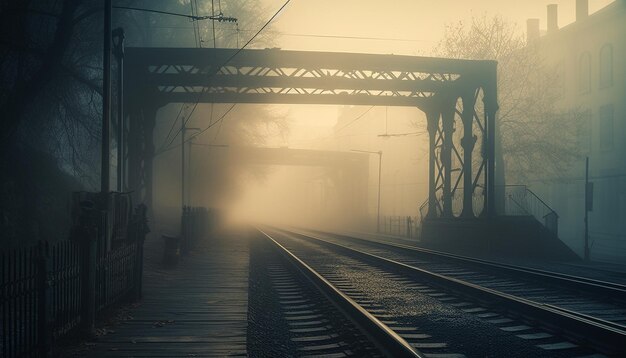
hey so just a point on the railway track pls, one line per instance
(320, 319)
(597, 300)
(559, 313)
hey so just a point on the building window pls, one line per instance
(584, 73)
(606, 127)
(606, 66)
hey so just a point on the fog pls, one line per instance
(223, 176)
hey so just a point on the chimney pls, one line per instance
(532, 31)
(553, 22)
(582, 9)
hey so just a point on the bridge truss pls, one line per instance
(458, 97)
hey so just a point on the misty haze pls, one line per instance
(281, 178)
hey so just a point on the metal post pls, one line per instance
(468, 141)
(141, 229)
(106, 102)
(491, 106)
(88, 280)
(587, 209)
(380, 164)
(43, 317)
(433, 122)
(183, 131)
(182, 162)
(447, 121)
(106, 124)
(119, 55)
(190, 173)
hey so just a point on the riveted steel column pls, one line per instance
(447, 119)
(432, 118)
(468, 142)
(491, 107)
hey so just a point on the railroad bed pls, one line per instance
(455, 306)
(604, 302)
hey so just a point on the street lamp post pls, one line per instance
(380, 162)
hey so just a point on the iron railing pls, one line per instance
(43, 289)
(516, 200)
(478, 202)
(406, 226)
(115, 274)
(521, 201)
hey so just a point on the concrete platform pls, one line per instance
(198, 309)
(510, 237)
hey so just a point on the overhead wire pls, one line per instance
(211, 125)
(222, 65)
(354, 120)
(191, 17)
(197, 42)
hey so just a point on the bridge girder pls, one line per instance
(158, 76)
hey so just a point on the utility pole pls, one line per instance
(380, 164)
(189, 169)
(588, 207)
(119, 55)
(183, 131)
(106, 126)
(182, 164)
(106, 105)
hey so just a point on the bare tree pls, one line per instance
(537, 139)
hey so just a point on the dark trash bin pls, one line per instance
(171, 250)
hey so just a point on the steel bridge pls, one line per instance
(459, 98)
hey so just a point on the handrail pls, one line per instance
(523, 198)
(552, 211)
(518, 204)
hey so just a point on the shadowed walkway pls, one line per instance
(197, 309)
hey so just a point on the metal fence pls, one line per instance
(115, 273)
(52, 290)
(405, 226)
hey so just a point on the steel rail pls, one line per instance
(384, 338)
(603, 337)
(614, 290)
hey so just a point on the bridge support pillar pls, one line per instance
(467, 142)
(491, 107)
(432, 118)
(447, 121)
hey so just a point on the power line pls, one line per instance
(198, 133)
(172, 128)
(228, 60)
(219, 17)
(352, 37)
(354, 120)
(343, 37)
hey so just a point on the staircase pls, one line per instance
(526, 227)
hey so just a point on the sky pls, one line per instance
(415, 26)
(419, 21)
